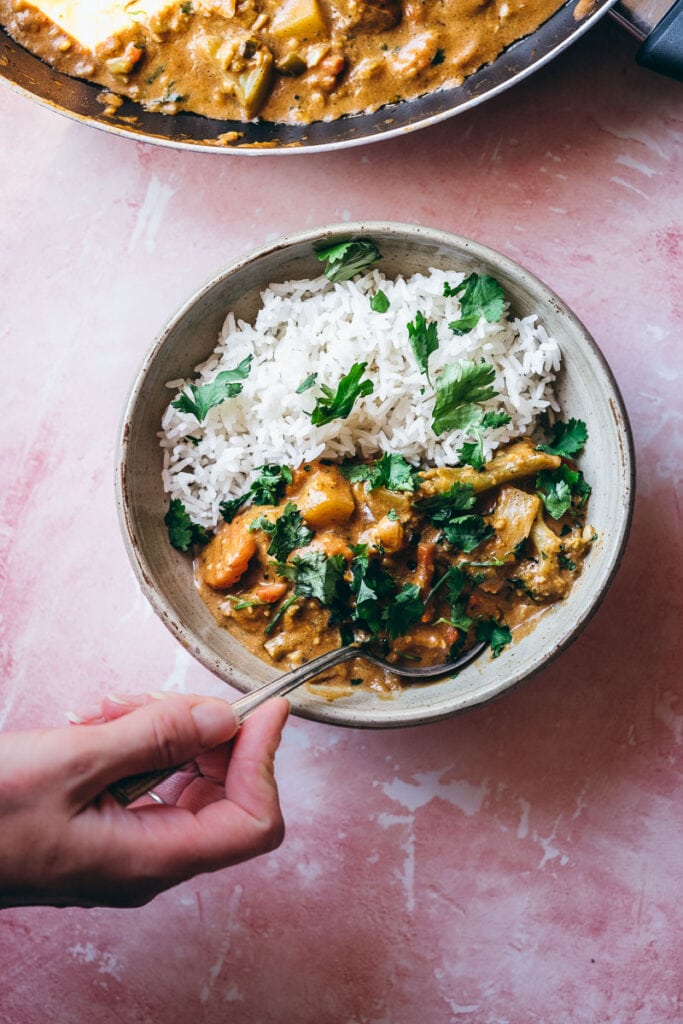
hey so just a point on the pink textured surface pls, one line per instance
(520, 864)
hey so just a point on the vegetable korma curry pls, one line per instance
(421, 564)
(293, 61)
(419, 558)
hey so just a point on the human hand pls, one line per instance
(65, 841)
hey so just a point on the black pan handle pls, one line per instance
(662, 51)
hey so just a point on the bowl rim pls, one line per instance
(401, 717)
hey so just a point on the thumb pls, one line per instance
(162, 734)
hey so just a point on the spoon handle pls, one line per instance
(290, 680)
(134, 786)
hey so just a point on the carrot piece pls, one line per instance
(424, 574)
(270, 592)
(226, 557)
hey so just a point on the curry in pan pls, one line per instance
(294, 61)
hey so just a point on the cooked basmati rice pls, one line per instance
(315, 326)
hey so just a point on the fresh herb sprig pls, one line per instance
(287, 532)
(560, 489)
(182, 532)
(480, 296)
(451, 512)
(204, 397)
(337, 404)
(423, 338)
(392, 471)
(567, 439)
(266, 489)
(346, 259)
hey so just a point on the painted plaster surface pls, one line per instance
(519, 864)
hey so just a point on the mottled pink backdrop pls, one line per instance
(517, 865)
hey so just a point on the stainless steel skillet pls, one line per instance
(78, 99)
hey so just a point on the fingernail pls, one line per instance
(125, 699)
(215, 722)
(84, 715)
(157, 694)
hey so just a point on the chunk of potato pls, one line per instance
(325, 498)
(299, 19)
(254, 84)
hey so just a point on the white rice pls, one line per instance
(315, 326)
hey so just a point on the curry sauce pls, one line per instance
(295, 61)
(420, 564)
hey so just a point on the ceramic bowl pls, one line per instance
(586, 389)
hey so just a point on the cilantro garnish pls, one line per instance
(307, 383)
(404, 611)
(205, 396)
(438, 57)
(269, 485)
(479, 297)
(313, 575)
(440, 508)
(467, 532)
(391, 471)
(379, 303)
(346, 259)
(320, 576)
(567, 439)
(266, 489)
(497, 634)
(423, 340)
(560, 488)
(338, 404)
(282, 608)
(444, 511)
(287, 532)
(458, 389)
(182, 532)
(472, 452)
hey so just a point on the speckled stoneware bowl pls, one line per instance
(586, 390)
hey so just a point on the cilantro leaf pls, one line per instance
(338, 404)
(319, 576)
(229, 509)
(404, 611)
(379, 303)
(346, 259)
(266, 489)
(479, 297)
(467, 532)
(440, 508)
(438, 58)
(287, 532)
(459, 387)
(497, 634)
(307, 383)
(205, 396)
(559, 488)
(567, 439)
(182, 532)
(423, 341)
(391, 471)
(444, 511)
(472, 452)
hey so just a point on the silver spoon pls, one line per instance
(129, 789)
